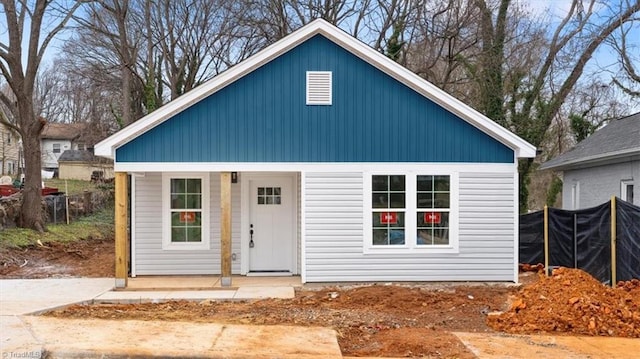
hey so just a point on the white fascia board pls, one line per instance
(310, 167)
(521, 147)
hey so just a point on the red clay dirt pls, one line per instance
(571, 301)
(371, 320)
(84, 258)
(379, 320)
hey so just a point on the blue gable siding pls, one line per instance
(263, 117)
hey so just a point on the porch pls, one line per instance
(158, 289)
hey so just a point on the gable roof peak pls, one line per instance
(338, 36)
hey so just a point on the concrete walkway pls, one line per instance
(23, 336)
(500, 345)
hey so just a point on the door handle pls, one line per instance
(251, 244)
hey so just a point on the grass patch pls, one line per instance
(74, 186)
(99, 225)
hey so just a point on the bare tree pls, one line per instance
(35, 23)
(540, 95)
(629, 79)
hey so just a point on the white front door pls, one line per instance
(272, 224)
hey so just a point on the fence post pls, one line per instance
(87, 202)
(614, 235)
(546, 240)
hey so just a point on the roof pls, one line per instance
(522, 148)
(61, 131)
(618, 141)
(82, 156)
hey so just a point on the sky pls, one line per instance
(605, 59)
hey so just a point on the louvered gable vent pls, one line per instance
(318, 87)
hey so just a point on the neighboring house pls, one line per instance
(605, 164)
(343, 166)
(78, 164)
(57, 138)
(10, 151)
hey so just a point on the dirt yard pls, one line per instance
(84, 258)
(371, 320)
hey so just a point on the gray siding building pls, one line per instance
(605, 164)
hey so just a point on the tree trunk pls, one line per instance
(31, 211)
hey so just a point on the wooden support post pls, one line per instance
(614, 236)
(546, 240)
(121, 223)
(225, 228)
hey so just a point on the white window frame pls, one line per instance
(623, 189)
(53, 148)
(575, 195)
(167, 244)
(411, 228)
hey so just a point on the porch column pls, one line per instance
(225, 228)
(121, 222)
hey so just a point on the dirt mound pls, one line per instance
(631, 286)
(571, 301)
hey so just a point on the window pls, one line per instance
(411, 211)
(269, 195)
(388, 202)
(319, 88)
(11, 167)
(575, 195)
(433, 199)
(8, 138)
(56, 148)
(626, 191)
(186, 211)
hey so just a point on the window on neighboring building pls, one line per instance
(626, 191)
(411, 211)
(56, 148)
(11, 167)
(187, 214)
(575, 195)
(8, 138)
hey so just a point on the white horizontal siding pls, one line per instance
(151, 259)
(334, 233)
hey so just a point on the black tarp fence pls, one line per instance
(582, 239)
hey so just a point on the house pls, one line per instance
(10, 151)
(605, 164)
(57, 138)
(81, 165)
(318, 157)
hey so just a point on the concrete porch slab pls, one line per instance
(264, 292)
(207, 282)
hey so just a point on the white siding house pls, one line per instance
(343, 166)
